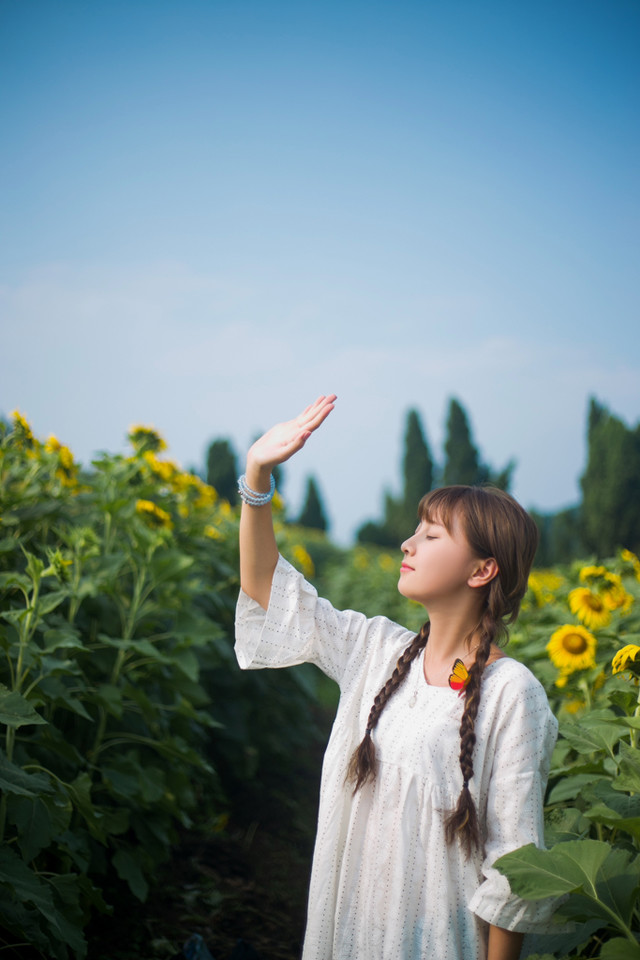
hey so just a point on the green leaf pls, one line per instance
(35, 828)
(128, 869)
(613, 808)
(15, 711)
(15, 780)
(564, 823)
(593, 734)
(110, 697)
(50, 601)
(28, 888)
(61, 639)
(629, 777)
(570, 787)
(618, 883)
(187, 661)
(17, 580)
(620, 949)
(535, 874)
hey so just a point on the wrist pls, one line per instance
(252, 497)
(258, 476)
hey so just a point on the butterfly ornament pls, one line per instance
(459, 678)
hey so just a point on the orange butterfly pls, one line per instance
(460, 677)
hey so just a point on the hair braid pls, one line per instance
(362, 766)
(463, 821)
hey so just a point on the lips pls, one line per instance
(404, 567)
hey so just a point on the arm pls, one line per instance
(258, 549)
(504, 944)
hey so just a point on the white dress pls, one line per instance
(385, 885)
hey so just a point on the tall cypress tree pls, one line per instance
(462, 464)
(222, 469)
(417, 464)
(611, 483)
(313, 514)
(462, 460)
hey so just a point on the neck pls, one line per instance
(452, 634)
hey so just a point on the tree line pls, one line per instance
(608, 516)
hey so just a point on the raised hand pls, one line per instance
(284, 439)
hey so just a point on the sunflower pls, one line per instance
(153, 514)
(614, 594)
(22, 430)
(627, 659)
(590, 573)
(572, 648)
(589, 607)
(628, 557)
(146, 438)
(543, 585)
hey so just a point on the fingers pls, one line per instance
(317, 412)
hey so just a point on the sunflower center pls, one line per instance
(574, 643)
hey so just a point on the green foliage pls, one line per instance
(122, 711)
(560, 536)
(611, 483)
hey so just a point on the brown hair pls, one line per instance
(494, 525)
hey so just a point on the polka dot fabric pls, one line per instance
(385, 885)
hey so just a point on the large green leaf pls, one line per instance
(619, 882)
(568, 788)
(594, 734)
(15, 711)
(613, 808)
(535, 874)
(128, 869)
(36, 827)
(28, 888)
(620, 949)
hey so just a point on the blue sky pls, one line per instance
(213, 211)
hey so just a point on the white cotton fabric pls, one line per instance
(385, 885)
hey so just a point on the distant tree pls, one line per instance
(418, 468)
(560, 536)
(461, 464)
(313, 514)
(222, 469)
(611, 483)
(462, 461)
(400, 514)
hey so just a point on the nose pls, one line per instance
(408, 545)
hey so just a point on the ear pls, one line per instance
(485, 571)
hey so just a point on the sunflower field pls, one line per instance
(124, 719)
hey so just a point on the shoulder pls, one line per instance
(511, 687)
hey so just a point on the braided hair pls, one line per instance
(494, 525)
(362, 766)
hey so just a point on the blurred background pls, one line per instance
(214, 211)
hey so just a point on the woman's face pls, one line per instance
(437, 563)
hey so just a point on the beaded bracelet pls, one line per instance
(247, 495)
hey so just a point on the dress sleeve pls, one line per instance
(524, 741)
(297, 627)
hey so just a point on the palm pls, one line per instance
(282, 441)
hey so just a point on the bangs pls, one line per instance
(442, 505)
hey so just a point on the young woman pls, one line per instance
(439, 754)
